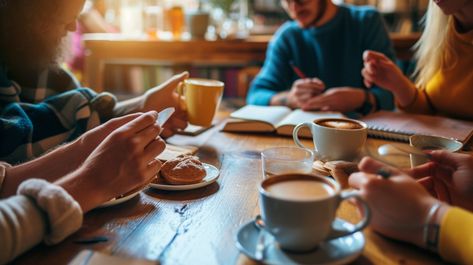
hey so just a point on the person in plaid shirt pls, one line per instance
(41, 104)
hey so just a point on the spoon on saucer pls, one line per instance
(261, 242)
(395, 149)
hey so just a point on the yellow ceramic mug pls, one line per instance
(202, 98)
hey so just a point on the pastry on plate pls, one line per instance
(183, 170)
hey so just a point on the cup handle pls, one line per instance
(360, 225)
(295, 133)
(180, 91)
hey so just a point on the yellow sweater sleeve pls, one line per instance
(456, 236)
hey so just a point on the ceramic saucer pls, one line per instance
(211, 177)
(119, 200)
(337, 251)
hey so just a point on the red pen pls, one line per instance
(298, 71)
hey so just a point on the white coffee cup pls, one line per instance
(427, 142)
(335, 138)
(299, 210)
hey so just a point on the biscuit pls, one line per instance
(184, 169)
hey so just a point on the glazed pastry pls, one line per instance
(184, 169)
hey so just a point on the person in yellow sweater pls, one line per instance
(404, 209)
(444, 56)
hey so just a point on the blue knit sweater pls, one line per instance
(332, 52)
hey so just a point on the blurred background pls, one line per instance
(105, 23)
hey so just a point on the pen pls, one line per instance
(296, 70)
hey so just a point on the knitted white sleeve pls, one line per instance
(64, 214)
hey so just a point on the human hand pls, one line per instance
(381, 71)
(399, 205)
(304, 89)
(123, 161)
(449, 177)
(85, 144)
(164, 96)
(341, 99)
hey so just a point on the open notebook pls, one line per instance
(273, 119)
(399, 126)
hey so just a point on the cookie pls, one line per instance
(182, 170)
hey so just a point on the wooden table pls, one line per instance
(199, 226)
(103, 49)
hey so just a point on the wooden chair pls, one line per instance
(244, 78)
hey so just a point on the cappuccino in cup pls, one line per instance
(340, 124)
(335, 138)
(299, 209)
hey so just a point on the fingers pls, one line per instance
(140, 123)
(360, 179)
(310, 84)
(441, 191)
(372, 166)
(447, 158)
(115, 123)
(153, 149)
(148, 135)
(428, 184)
(369, 55)
(170, 84)
(367, 78)
(421, 171)
(153, 168)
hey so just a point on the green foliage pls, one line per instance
(225, 5)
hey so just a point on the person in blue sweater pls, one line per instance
(314, 62)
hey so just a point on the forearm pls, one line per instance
(49, 167)
(128, 106)
(85, 191)
(405, 92)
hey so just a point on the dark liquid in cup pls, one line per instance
(340, 124)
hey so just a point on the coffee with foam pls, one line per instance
(340, 124)
(300, 190)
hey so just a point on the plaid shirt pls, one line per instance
(34, 120)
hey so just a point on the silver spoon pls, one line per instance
(396, 149)
(261, 242)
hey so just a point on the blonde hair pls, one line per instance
(434, 49)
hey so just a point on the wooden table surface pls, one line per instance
(199, 226)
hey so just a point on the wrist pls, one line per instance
(367, 104)
(406, 94)
(280, 99)
(81, 186)
(431, 227)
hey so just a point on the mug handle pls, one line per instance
(295, 133)
(360, 225)
(180, 91)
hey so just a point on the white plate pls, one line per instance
(337, 251)
(119, 200)
(211, 177)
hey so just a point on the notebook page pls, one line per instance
(268, 114)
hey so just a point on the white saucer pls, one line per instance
(119, 200)
(337, 251)
(212, 176)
